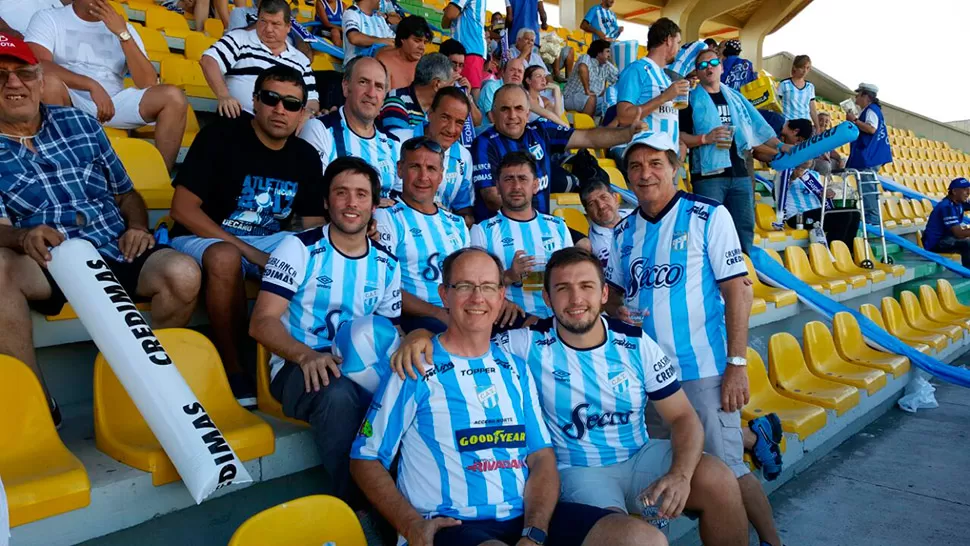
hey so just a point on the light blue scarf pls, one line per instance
(750, 129)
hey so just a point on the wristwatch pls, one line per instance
(534, 534)
(737, 361)
(124, 36)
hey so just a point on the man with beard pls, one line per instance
(594, 377)
(314, 281)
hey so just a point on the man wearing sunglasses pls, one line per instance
(353, 129)
(243, 182)
(717, 114)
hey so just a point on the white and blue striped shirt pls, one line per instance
(686, 60)
(603, 20)
(641, 82)
(464, 431)
(421, 242)
(539, 237)
(796, 103)
(469, 27)
(332, 138)
(671, 266)
(593, 400)
(456, 191)
(374, 25)
(325, 287)
(800, 198)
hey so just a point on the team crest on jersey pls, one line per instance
(679, 242)
(549, 243)
(455, 241)
(370, 295)
(324, 281)
(619, 382)
(537, 151)
(488, 396)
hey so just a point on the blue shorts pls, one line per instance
(196, 247)
(569, 526)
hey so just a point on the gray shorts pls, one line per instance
(722, 430)
(618, 485)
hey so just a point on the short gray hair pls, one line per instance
(431, 67)
(349, 71)
(523, 31)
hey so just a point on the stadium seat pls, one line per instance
(952, 256)
(606, 162)
(112, 133)
(758, 306)
(616, 177)
(896, 325)
(155, 46)
(186, 75)
(323, 62)
(575, 219)
(892, 211)
(778, 296)
(852, 347)
(264, 399)
(908, 212)
(147, 170)
(914, 316)
(169, 23)
(196, 44)
(583, 121)
(566, 199)
(122, 433)
(797, 417)
(824, 266)
(790, 374)
(797, 262)
(307, 521)
(933, 309)
(844, 263)
(41, 476)
(213, 27)
(872, 313)
(859, 251)
(191, 129)
(764, 216)
(824, 361)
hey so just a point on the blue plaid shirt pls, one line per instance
(71, 182)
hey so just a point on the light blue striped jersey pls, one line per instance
(671, 266)
(456, 191)
(369, 25)
(421, 242)
(363, 345)
(325, 287)
(601, 239)
(640, 83)
(796, 103)
(332, 138)
(464, 431)
(686, 59)
(799, 197)
(469, 27)
(539, 237)
(603, 20)
(593, 400)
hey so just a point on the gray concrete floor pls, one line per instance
(902, 481)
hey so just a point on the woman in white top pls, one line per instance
(797, 95)
(544, 101)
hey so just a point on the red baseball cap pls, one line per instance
(16, 48)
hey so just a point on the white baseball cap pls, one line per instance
(657, 141)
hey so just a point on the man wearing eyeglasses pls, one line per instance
(522, 238)
(720, 128)
(476, 461)
(243, 182)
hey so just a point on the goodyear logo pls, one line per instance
(478, 439)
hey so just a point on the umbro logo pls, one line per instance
(416, 232)
(561, 375)
(324, 281)
(508, 241)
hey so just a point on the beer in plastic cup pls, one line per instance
(726, 143)
(636, 314)
(682, 101)
(533, 280)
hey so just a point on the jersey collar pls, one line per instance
(666, 209)
(606, 335)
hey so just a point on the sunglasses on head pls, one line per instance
(415, 143)
(272, 98)
(704, 64)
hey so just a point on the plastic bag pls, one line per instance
(919, 393)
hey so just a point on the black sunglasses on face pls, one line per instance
(712, 63)
(422, 142)
(272, 98)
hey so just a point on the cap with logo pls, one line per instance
(959, 183)
(657, 141)
(11, 46)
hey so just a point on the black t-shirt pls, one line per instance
(245, 187)
(738, 168)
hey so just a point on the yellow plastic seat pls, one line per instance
(935, 311)
(797, 262)
(41, 476)
(824, 361)
(914, 316)
(872, 313)
(797, 417)
(121, 432)
(616, 177)
(196, 44)
(264, 398)
(171, 24)
(758, 306)
(764, 216)
(791, 376)
(111, 132)
(852, 347)
(953, 256)
(323, 62)
(843, 263)
(575, 219)
(948, 298)
(606, 162)
(892, 209)
(186, 75)
(191, 129)
(823, 265)
(307, 521)
(147, 170)
(908, 212)
(859, 251)
(778, 296)
(583, 121)
(896, 325)
(155, 45)
(213, 27)
(566, 199)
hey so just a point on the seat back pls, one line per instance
(797, 262)
(775, 256)
(872, 313)
(28, 422)
(616, 177)
(575, 219)
(143, 162)
(911, 308)
(893, 315)
(196, 44)
(307, 521)
(930, 302)
(264, 398)
(764, 215)
(948, 297)
(892, 210)
(919, 238)
(906, 210)
(583, 121)
(153, 40)
(847, 335)
(818, 345)
(785, 359)
(213, 27)
(758, 381)
(821, 261)
(843, 258)
(159, 18)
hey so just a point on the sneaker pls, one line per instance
(766, 450)
(56, 414)
(243, 389)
